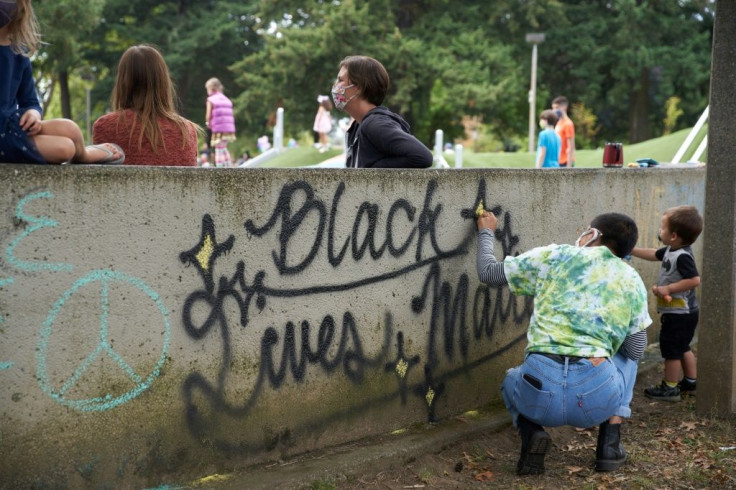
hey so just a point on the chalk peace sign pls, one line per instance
(106, 280)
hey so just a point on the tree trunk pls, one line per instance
(48, 96)
(66, 109)
(639, 129)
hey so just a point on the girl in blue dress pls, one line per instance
(24, 136)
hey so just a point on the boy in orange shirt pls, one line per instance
(565, 129)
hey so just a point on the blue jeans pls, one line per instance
(573, 393)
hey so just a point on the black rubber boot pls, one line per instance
(610, 453)
(535, 443)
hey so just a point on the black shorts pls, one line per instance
(676, 333)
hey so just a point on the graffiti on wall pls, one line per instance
(105, 283)
(457, 316)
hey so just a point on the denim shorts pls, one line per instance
(574, 393)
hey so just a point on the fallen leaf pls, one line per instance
(571, 470)
(484, 476)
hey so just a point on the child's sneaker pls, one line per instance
(663, 392)
(687, 387)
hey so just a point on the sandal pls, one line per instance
(109, 159)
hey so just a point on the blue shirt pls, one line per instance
(551, 141)
(17, 90)
(17, 96)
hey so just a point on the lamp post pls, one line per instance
(534, 38)
(88, 76)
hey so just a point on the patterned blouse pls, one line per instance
(586, 300)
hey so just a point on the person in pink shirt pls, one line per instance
(221, 121)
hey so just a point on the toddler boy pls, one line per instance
(676, 301)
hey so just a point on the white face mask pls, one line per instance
(596, 234)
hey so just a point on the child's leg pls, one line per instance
(222, 156)
(50, 139)
(689, 365)
(672, 370)
(226, 155)
(54, 149)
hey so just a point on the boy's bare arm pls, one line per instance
(644, 253)
(677, 287)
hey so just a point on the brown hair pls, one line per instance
(561, 100)
(549, 116)
(686, 222)
(369, 75)
(144, 86)
(23, 30)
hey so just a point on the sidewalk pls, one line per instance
(339, 464)
(338, 161)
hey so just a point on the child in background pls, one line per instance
(24, 136)
(676, 301)
(323, 122)
(144, 120)
(220, 120)
(548, 149)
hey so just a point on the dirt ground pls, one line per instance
(668, 445)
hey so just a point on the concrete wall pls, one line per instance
(159, 324)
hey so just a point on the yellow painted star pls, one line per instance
(204, 254)
(401, 368)
(479, 210)
(429, 397)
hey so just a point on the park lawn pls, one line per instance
(661, 149)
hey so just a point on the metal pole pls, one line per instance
(533, 99)
(458, 156)
(278, 130)
(438, 138)
(88, 116)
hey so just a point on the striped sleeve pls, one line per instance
(489, 270)
(634, 345)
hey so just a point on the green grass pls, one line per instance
(661, 149)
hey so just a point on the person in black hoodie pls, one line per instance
(377, 138)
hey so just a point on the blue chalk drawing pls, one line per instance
(5, 365)
(36, 223)
(107, 401)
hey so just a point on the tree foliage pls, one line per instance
(620, 59)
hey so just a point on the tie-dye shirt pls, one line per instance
(586, 300)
